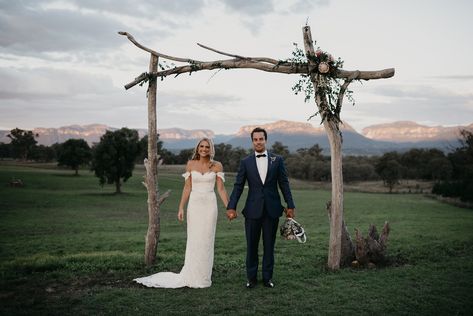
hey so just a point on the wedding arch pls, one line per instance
(318, 69)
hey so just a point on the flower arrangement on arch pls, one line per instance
(325, 70)
(326, 63)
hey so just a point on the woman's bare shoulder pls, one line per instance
(217, 166)
(189, 165)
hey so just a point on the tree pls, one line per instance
(22, 142)
(43, 153)
(74, 153)
(440, 168)
(237, 154)
(316, 151)
(279, 149)
(223, 153)
(417, 163)
(143, 148)
(389, 169)
(114, 157)
(461, 184)
(165, 156)
(5, 151)
(308, 164)
(184, 156)
(358, 168)
(353, 171)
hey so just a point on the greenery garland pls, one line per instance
(328, 87)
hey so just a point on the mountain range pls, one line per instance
(373, 140)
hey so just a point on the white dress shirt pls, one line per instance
(262, 165)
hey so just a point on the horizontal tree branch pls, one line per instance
(259, 63)
(366, 75)
(144, 76)
(286, 68)
(262, 59)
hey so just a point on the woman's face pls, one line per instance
(204, 149)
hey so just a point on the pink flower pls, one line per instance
(318, 52)
(324, 67)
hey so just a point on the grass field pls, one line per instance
(68, 246)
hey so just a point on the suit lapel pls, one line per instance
(269, 167)
(255, 168)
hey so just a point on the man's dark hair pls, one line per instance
(258, 130)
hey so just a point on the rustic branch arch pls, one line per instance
(264, 64)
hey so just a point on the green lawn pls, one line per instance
(68, 246)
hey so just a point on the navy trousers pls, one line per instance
(253, 229)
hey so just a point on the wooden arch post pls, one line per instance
(277, 66)
(151, 166)
(335, 141)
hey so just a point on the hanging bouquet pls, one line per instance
(290, 229)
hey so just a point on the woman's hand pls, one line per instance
(180, 215)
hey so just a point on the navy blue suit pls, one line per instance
(262, 209)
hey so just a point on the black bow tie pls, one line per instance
(260, 155)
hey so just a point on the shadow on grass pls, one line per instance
(391, 261)
(109, 194)
(70, 174)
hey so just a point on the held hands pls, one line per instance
(231, 214)
(290, 212)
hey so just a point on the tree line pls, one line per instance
(114, 157)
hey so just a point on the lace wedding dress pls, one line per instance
(201, 223)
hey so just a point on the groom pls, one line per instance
(264, 172)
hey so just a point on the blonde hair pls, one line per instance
(195, 154)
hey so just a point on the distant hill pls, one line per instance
(48, 136)
(374, 140)
(407, 131)
(297, 135)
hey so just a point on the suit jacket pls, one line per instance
(262, 195)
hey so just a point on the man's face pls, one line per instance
(259, 143)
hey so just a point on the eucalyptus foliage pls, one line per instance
(22, 142)
(73, 153)
(328, 85)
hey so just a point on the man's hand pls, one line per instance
(290, 212)
(231, 214)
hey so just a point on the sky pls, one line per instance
(63, 63)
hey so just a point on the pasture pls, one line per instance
(69, 246)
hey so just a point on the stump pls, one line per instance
(371, 250)
(16, 183)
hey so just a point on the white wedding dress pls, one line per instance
(201, 223)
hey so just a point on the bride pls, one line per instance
(202, 172)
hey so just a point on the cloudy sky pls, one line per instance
(62, 62)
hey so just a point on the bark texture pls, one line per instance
(347, 251)
(151, 165)
(335, 140)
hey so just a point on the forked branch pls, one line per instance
(344, 88)
(155, 53)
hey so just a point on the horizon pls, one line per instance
(226, 134)
(75, 65)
